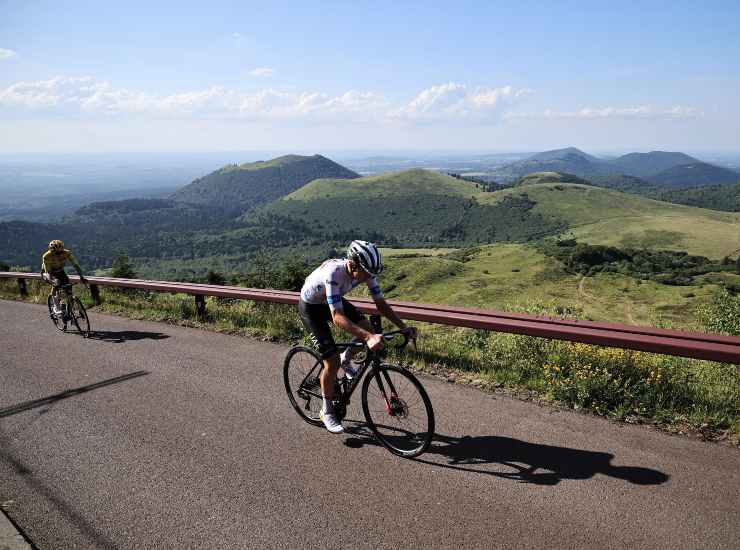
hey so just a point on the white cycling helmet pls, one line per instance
(366, 255)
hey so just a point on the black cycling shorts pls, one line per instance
(58, 278)
(317, 318)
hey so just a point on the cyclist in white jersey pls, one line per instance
(322, 303)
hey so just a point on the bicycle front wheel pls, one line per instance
(56, 318)
(301, 372)
(79, 317)
(398, 410)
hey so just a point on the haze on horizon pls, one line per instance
(299, 76)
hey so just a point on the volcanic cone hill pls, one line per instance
(239, 188)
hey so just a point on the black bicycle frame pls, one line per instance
(347, 387)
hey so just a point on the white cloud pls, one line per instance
(262, 71)
(48, 93)
(6, 54)
(449, 103)
(636, 112)
(456, 102)
(86, 95)
(275, 104)
(237, 35)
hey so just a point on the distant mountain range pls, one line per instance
(658, 168)
(303, 202)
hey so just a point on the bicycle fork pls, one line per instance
(393, 405)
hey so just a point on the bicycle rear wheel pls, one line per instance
(56, 318)
(398, 410)
(79, 317)
(301, 372)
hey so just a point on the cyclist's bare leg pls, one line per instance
(53, 292)
(329, 376)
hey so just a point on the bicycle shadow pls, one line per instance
(118, 337)
(66, 394)
(523, 462)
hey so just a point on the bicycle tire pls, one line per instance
(301, 371)
(391, 422)
(79, 317)
(59, 323)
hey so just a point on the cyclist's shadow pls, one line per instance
(524, 462)
(532, 462)
(121, 336)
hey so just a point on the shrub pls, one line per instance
(721, 314)
(122, 268)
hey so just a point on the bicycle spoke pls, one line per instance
(301, 376)
(79, 317)
(402, 420)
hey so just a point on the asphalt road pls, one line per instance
(154, 436)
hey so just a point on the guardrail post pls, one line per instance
(22, 287)
(95, 294)
(200, 306)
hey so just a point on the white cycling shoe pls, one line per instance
(330, 422)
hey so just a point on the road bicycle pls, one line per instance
(396, 406)
(70, 309)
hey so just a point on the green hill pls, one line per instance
(694, 174)
(238, 188)
(407, 182)
(414, 207)
(716, 197)
(150, 215)
(548, 177)
(603, 216)
(559, 154)
(423, 208)
(563, 160)
(420, 207)
(647, 164)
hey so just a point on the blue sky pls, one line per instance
(312, 76)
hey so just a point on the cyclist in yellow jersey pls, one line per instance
(52, 267)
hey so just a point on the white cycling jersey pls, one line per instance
(330, 281)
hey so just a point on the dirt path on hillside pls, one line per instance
(628, 313)
(582, 293)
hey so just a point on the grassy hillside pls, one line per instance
(548, 177)
(516, 275)
(415, 207)
(408, 182)
(602, 216)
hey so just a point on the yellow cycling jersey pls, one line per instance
(55, 261)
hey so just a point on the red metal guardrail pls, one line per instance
(697, 345)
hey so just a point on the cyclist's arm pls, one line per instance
(387, 311)
(342, 321)
(334, 300)
(71, 258)
(77, 267)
